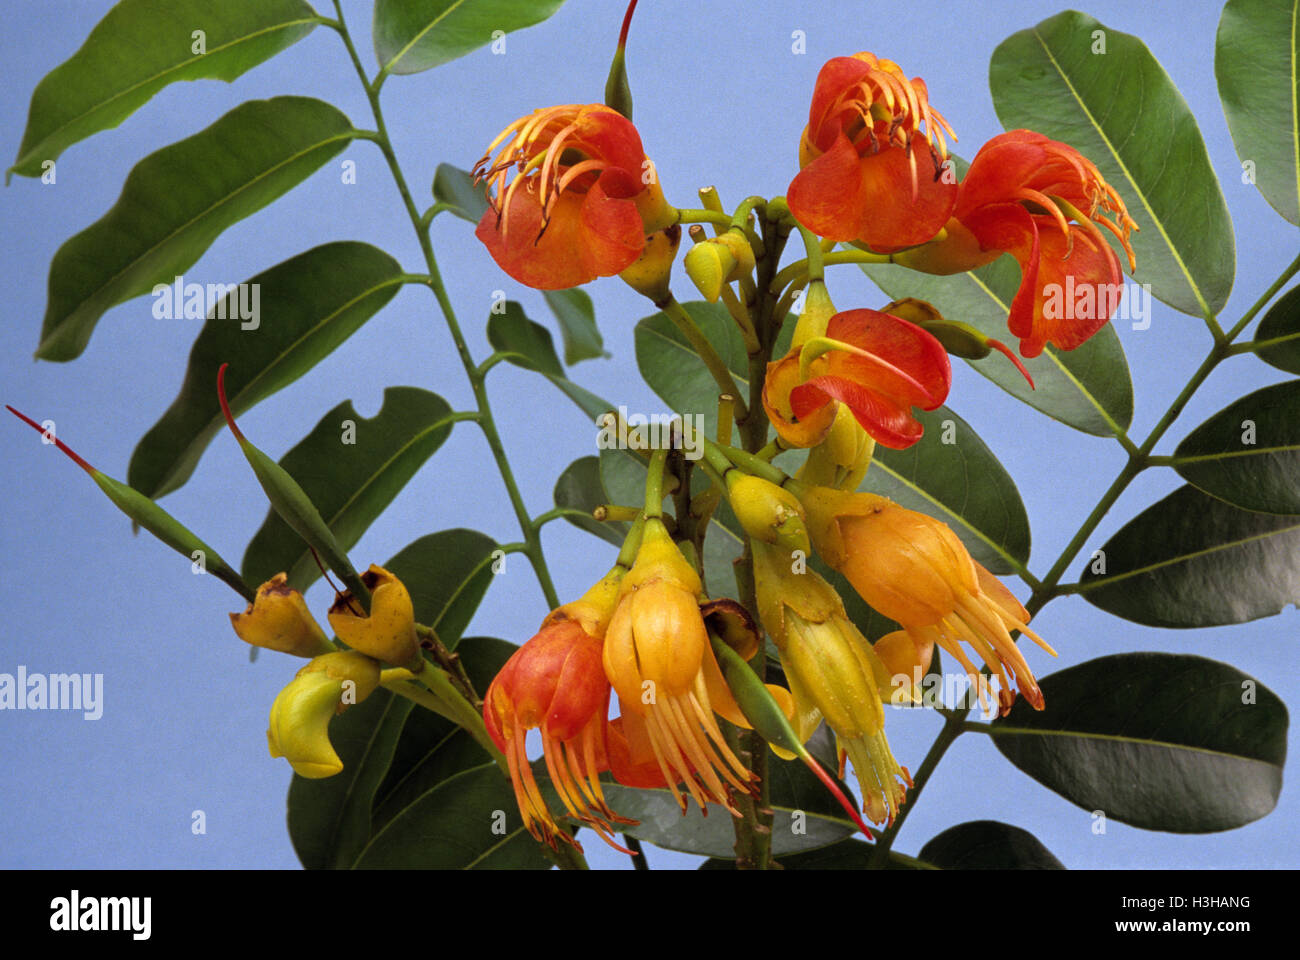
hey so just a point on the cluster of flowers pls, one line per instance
(584, 203)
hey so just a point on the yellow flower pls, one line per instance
(913, 569)
(301, 713)
(278, 619)
(658, 658)
(388, 633)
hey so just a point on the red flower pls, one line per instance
(874, 363)
(581, 202)
(860, 179)
(555, 683)
(1042, 202)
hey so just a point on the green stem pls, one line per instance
(700, 343)
(476, 378)
(801, 269)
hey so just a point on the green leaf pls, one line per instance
(176, 202)
(469, 821)
(1156, 740)
(950, 474)
(845, 855)
(1257, 63)
(577, 317)
(1249, 453)
(1280, 329)
(1120, 110)
(534, 349)
(432, 748)
(415, 35)
(447, 574)
(794, 789)
(580, 488)
(136, 50)
(1087, 388)
(988, 845)
(1191, 560)
(329, 818)
(317, 299)
(351, 468)
(456, 188)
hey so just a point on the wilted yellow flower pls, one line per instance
(301, 713)
(278, 619)
(388, 633)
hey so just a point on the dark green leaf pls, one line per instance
(1280, 329)
(1087, 388)
(1191, 560)
(351, 468)
(950, 474)
(1156, 740)
(535, 348)
(1120, 109)
(456, 188)
(139, 48)
(329, 819)
(469, 821)
(1257, 63)
(806, 816)
(432, 748)
(447, 574)
(1249, 453)
(317, 299)
(845, 855)
(176, 202)
(579, 488)
(988, 845)
(415, 35)
(577, 324)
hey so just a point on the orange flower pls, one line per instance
(581, 202)
(876, 364)
(1044, 203)
(860, 178)
(913, 569)
(555, 683)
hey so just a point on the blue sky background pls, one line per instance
(720, 99)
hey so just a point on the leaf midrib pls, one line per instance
(998, 730)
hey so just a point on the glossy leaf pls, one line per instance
(988, 845)
(580, 488)
(351, 468)
(456, 188)
(329, 818)
(950, 474)
(1156, 740)
(1249, 453)
(1280, 330)
(1257, 63)
(415, 35)
(793, 789)
(1191, 560)
(533, 348)
(140, 48)
(1120, 109)
(577, 317)
(447, 574)
(1087, 388)
(454, 826)
(176, 202)
(845, 855)
(310, 304)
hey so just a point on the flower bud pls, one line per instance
(278, 619)
(718, 261)
(301, 713)
(388, 633)
(650, 273)
(767, 512)
(842, 458)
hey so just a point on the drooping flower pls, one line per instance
(1044, 203)
(833, 674)
(913, 569)
(278, 619)
(869, 173)
(877, 365)
(658, 657)
(581, 202)
(387, 633)
(555, 683)
(301, 713)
